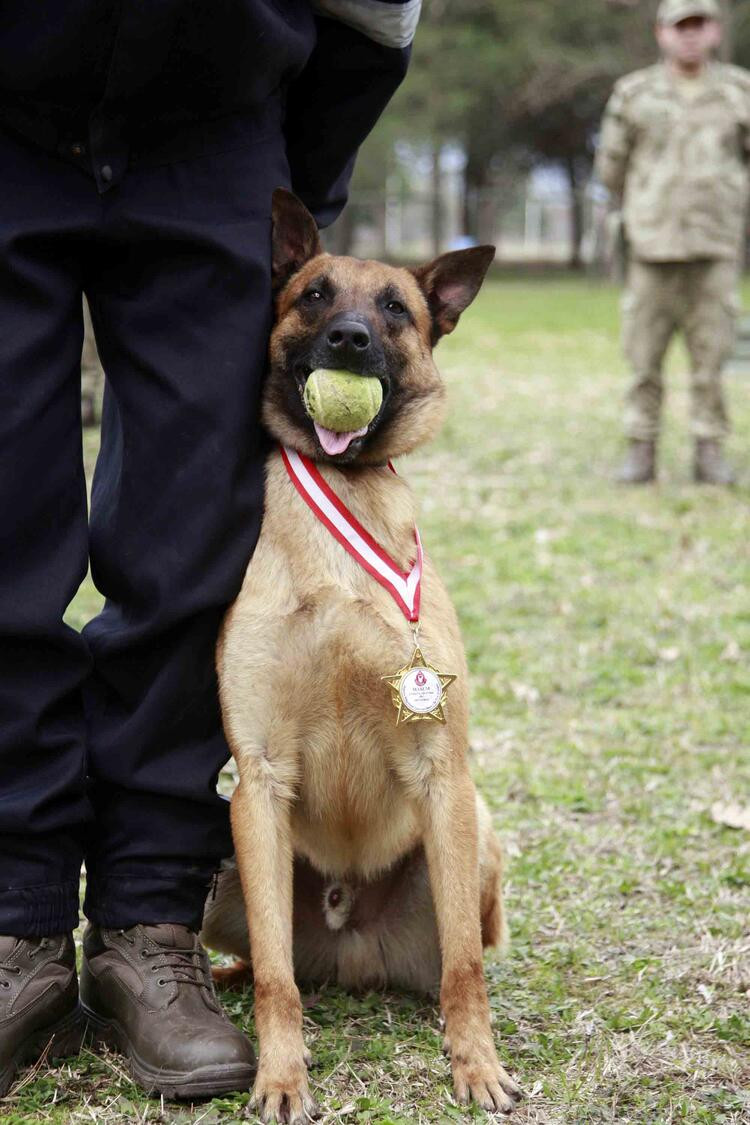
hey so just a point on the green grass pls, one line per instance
(608, 635)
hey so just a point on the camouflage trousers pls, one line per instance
(699, 297)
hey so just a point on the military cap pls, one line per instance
(672, 11)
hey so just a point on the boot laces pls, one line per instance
(181, 966)
(9, 968)
(177, 965)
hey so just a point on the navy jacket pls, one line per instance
(97, 80)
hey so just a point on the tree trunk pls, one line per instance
(576, 212)
(475, 179)
(486, 215)
(436, 201)
(470, 204)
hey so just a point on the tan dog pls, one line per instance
(364, 852)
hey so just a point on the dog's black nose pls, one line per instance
(350, 337)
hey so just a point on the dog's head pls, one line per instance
(365, 317)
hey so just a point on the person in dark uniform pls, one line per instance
(139, 147)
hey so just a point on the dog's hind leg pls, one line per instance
(377, 934)
(225, 929)
(406, 921)
(233, 978)
(491, 911)
(224, 919)
(389, 936)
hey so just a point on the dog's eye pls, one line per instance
(396, 308)
(312, 296)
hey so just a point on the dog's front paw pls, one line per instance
(281, 1094)
(478, 1075)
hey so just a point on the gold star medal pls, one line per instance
(418, 689)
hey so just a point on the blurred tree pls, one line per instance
(517, 84)
(737, 37)
(573, 51)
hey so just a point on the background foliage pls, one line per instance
(514, 84)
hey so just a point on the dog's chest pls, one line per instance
(331, 581)
(339, 642)
(306, 648)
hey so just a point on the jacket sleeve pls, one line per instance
(359, 60)
(615, 142)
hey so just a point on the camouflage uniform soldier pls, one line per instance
(674, 149)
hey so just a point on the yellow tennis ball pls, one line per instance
(342, 401)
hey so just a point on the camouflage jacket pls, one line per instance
(678, 165)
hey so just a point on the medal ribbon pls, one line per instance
(353, 537)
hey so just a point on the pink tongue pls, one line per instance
(334, 442)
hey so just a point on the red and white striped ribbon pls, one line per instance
(353, 537)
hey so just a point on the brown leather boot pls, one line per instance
(38, 1002)
(639, 466)
(709, 466)
(147, 993)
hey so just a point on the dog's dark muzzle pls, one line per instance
(349, 341)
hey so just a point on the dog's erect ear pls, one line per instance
(295, 236)
(451, 282)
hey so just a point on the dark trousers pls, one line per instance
(110, 740)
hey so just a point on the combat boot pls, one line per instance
(710, 466)
(147, 993)
(38, 1002)
(639, 466)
